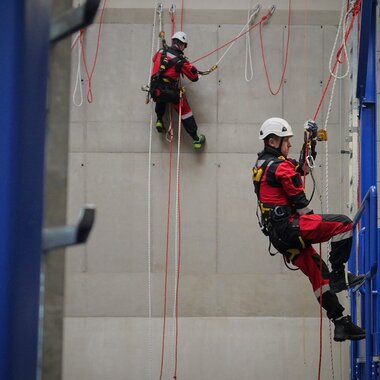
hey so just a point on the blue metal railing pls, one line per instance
(364, 356)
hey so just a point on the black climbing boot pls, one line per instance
(199, 142)
(338, 281)
(160, 126)
(345, 329)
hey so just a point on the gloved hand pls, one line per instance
(311, 127)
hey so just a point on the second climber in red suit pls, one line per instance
(169, 64)
(292, 227)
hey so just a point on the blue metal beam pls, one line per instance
(366, 88)
(368, 12)
(24, 50)
(367, 95)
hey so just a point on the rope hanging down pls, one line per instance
(245, 31)
(80, 39)
(355, 12)
(252, 14)
(286, 55)
(323, 133)
(177, 238)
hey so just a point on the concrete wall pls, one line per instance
(243, 314)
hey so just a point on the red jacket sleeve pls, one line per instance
(190, 71)
(291, 182)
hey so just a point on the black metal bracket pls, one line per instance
(64, 236)
(73, 20)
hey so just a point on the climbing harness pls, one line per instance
(274, 220)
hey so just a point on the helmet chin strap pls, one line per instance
(279, 148)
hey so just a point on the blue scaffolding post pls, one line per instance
(24, 46)
(365, 363)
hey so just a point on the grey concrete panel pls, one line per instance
(117, 184)
(248, 295)
(128, 137)
(307, 15)
(116, 83)
(304, 75)
(76, 255)
(119, 294)
(225, 4)
(242, 102)
(113, 294)
(223, 348)
(239, 138)
(202, 95)
(77, 137)
(242, 248)
(198, 192)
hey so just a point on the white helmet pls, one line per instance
(181, 36)
(275, 126)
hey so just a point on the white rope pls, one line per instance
(237, 37)
(78, 79)
(152, 48)
(176, 237)
(150, 343)
(248, 51)
(342, 25)
(150, 334)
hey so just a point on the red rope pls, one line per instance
(286, 55)
(167, 227)
(88, 73)
(167, 247)
(320, 313)
(233, 40)
(355, 13)
(178, 277)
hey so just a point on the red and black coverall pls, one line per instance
(172, 75)
(296, 226)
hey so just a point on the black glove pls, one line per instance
(311, 127)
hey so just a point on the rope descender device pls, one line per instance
(322, 135)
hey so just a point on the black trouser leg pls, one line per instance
(191, 127)
(160, 110)
(340, 253)
(332, 305)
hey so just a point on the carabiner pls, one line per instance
(310, 162)
(270, 13)
(160, 8)
(254, 13)
(172, 9)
